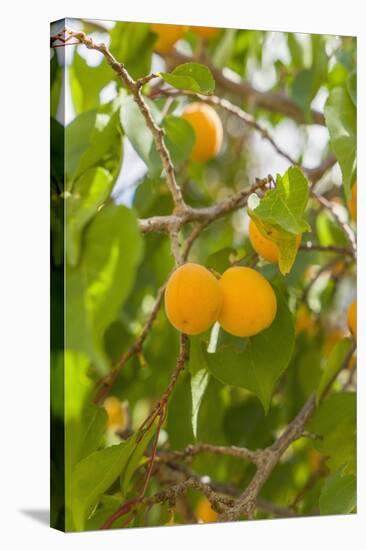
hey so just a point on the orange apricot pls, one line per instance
(264, 247)
(168, 35)
(193, 299)
(352, 318)
(249, 303)
(208, 130)
(206, 32)
(204, 511)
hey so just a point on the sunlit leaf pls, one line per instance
(194, 77)
(98, 285)
(340, 116)
(257, 362)
(338, 495)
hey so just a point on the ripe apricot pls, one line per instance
(113, 407)
(249, 303)
(264, 247)
(193, 298)
(168, 35)
(204, 511)
(205, 32)
(207, 127)
(352, 203)
(352, 318)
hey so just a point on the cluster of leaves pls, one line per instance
(235, 391)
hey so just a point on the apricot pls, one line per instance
(249, 303)
(204, 511)
(205, 32)
(352, 318)
(168, 35)
(208, 130)
(193, 299)
(352, 203)
(264, 247)
(114, 410)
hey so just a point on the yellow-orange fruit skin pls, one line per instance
(204, 512)
(208, 130)
(113, 408)
(249, 303)
(193, 299)
(205, 32)
(352, 203)
(168, 35)
(264, 247)
(352, 318)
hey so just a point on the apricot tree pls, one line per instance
(237, 399)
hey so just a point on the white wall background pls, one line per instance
(24, 303)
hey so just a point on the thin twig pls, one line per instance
(274, 102)
(309, 247)
(135, 88)
(343, 225)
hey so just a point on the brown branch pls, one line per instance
(245, 117)
(134, 86)
(105, 384)
(271, 101)
(270, 456)
(325, 203)
(309, 247)
(193, 450)
(203, 215)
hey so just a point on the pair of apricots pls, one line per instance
(242, 300)
(168, 35)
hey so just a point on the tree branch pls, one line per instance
(271, 101)
(134, 86)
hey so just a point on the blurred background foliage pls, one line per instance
(106, 174)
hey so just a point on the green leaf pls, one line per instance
(333, 365)
(180, 137)
(279, 215)
(108, 505)
(136, 456)
(77, 140)
(256, 363)
(285, 205)
(179, 425)
(193, 77)
(340, 117)
(352, 87)
(85, 423)
(335, 422)
(199, 378)
(339, 494)
(132, 44)
(139, 134)
(302, 89)
(93, 426)
(56, 85)
(86, 82)
(93, 139)
(102, 280)
(220, 260)
(93, 476)
(89, 192)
